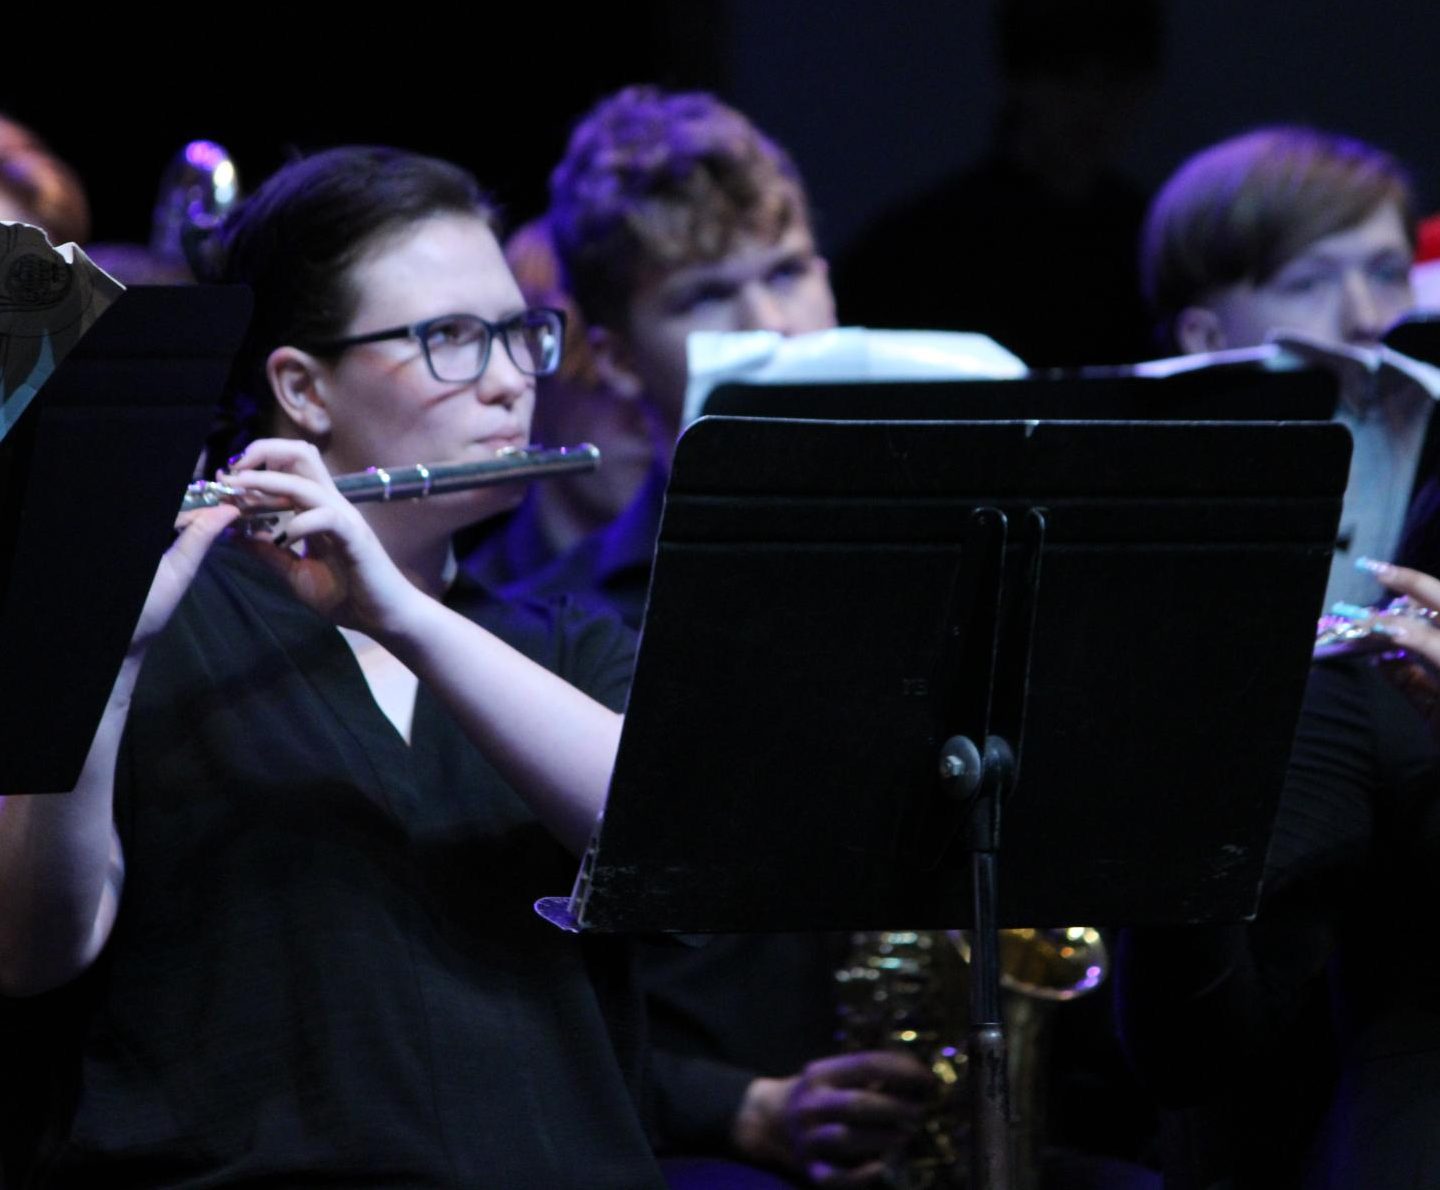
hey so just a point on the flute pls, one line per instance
(510, 464)
(1348, 629)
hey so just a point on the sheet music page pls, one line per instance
(49, 298)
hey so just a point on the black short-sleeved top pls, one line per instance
(1306, 1046)
(610, 567)
(326, 968)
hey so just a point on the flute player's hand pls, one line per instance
(198, 531)
(1418, 635)
(342, 571)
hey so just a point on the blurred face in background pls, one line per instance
(1347, 288)
(575, 406)
(780, 285)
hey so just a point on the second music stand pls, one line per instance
(1116, 616)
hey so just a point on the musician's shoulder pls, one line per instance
(537, 620)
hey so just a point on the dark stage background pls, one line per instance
(874, 99)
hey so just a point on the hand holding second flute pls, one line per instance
(1417, 633)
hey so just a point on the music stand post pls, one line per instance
(981, 776)
(821, 586)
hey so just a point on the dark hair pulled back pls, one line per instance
(294, 242)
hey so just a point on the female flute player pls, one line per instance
(283, 926)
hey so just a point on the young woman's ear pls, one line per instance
(612, 364)
(1197, 328)
(297, 379)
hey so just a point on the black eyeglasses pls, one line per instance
(457, 346)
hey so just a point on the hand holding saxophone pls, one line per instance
(839, 1119)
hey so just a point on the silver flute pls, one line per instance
(510, 464)
(1347, 630)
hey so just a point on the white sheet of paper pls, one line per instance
(843, 354)
(49, 297)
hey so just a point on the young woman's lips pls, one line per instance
(495, 443)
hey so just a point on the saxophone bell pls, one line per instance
(1056, 964)
(198, 190)
(908, 989)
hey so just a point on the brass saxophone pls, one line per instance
(199, 189)
(907, 989)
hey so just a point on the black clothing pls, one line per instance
(612, 565)
(720, 1014)
(741, 1005)
(326, 968)
(751, 1005)
(506, 548)
(1419, 544)
(1307, 1045)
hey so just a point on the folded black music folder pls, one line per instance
(91, 477)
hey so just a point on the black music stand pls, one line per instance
(91, 478)
(1417, 335)
(868, 644)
